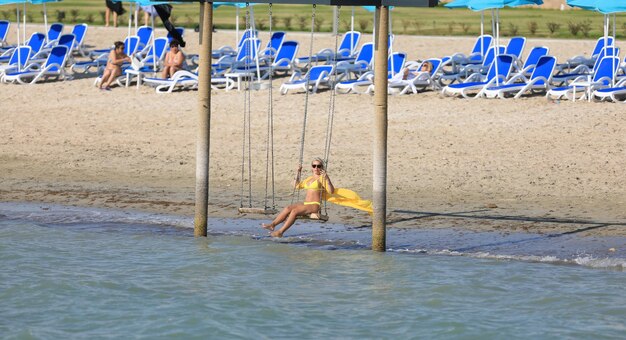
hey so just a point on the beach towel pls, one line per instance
(349, 198)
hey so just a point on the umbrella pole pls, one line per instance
(129, 23)
(17, 17)
(204, 120)
(482, 34)
(154, 61)
(45, 22)
(237, 28)
(24, 21)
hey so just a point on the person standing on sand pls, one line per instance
(116, 8)
(117, 57)
(314, 185)
(173, 60)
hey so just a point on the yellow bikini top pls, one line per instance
(307, 184)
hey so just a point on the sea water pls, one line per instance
(66, 273)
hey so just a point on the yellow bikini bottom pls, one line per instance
(310, 203)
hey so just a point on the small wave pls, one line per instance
(583, 260)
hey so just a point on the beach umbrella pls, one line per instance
(45, 13)
(465, 4)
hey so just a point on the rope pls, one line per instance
(269, 157)
(306, 104)
(246, 130)
(331, 109)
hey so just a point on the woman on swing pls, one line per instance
(314, 185)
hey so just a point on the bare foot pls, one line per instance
(267, 226)
(276, 234)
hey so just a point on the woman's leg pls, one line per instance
(115, 19)
(173, 70)
(104, 77)
(166, 72)
(279, 218)
(299, 210)
(107, 17)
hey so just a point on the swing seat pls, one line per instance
(314, 217)
(264, 211)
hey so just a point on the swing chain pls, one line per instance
(270, 129)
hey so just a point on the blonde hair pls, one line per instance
(321, 161)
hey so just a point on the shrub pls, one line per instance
(261, 24)
(74, 14)
(585, 27)
(318, 23)
(363, 23)
(287, 22)
(173, 19)
(451, 27)
(303, 23)
(532, 27)
(624, 27)
(89, 18)
(465, 27)
(274, 21)
(513, 29)
(573, 27)
(553, 27)
(405, 25)
(189, 20)
(60, 15)
(29, 17)
(6, 15)
(417, 25)
(102, 15)
(345, 25)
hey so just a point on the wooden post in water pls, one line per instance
(379, 190)
(204, 120)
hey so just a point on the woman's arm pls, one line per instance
(327, 183)
(296, 180)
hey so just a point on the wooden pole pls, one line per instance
(204, 120)
(379, 190)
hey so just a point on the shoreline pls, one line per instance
(564, 249)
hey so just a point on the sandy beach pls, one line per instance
(504, 165)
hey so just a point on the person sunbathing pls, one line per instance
(174, 60)
(315, 185)
(426, 66)
(117, 57)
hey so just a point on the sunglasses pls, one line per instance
(319, 166)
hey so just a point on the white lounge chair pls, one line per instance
(362, 63)
(18, 60)
(498, 73)
(186, 80)
(519, 85)
(586, 85)
(317, 76)
(416, 79)
(53, 67)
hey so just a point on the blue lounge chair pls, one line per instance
(583, 70)
(416, 79)
(395, 64)
(531, 61)
(54, 32)
(519, 85)
(284, 61)
(145, 34)
(603, 77)
(4, 31)
(273, 45)
(481, 46)
(18, 60)
(318, 75)
(362, 63)
(53, 67)
(230, 51)
(616, 93)
(346, 50)
(588, 61)
(66, 40)
(80, 32)
(464, 71)
(35, 43)
(498, 72)
(246, 58)
(515, 47)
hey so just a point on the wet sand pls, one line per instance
(526, 165)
